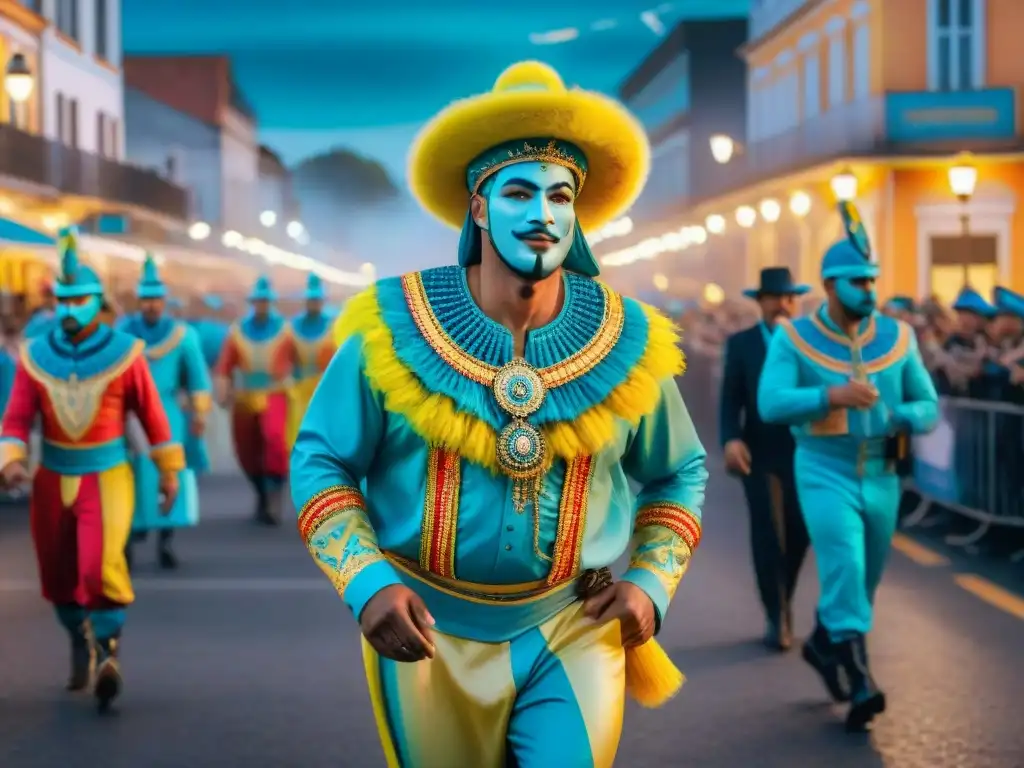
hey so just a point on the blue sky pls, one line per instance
(365, 75)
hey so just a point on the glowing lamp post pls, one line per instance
(963, 178)
(18, 82)
(844, 186)
(722, 148)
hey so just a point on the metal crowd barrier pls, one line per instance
(972, 464)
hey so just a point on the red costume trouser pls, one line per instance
(259, 436)
(80, 526)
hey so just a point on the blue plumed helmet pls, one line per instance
(262, 290)
(150, 284)
(969, 300)
(851, 257)
(75, 279)
(1008, 302)
(314, 288)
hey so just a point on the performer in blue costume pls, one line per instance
(254, 372)
(212, 330)
(81, 381)
(852, 385)
(177, 365)
(314, 348)
(461, 472)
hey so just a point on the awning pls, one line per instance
(16, 233)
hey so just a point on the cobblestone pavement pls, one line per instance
(245, 657)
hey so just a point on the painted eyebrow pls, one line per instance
(533, 187)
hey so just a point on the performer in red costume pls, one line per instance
(82, 378)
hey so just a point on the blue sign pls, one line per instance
(13, 232)
(918, 116)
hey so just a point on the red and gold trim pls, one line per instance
(572, 519)
(169, 457)
(675, 517)
(440, 512)
(325, 505)
(12, 450)
(202, 402)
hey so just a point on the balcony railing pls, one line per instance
(897, 123)
(51, 165)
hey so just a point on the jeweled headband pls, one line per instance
(552, 151)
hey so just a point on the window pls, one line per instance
(101, 29)
(812, 85)
(956, 45)
(67, 18)
(114, 138)
(62, 117)
(836, 70)
(72, 139)
(101, 134)
(862, 62)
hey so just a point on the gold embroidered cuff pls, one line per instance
(169, 457)
(12, 450)
(202, 402)
(325, 505)
(675, 517)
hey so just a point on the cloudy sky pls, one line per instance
(365, 75)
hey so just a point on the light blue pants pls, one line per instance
(851, 520)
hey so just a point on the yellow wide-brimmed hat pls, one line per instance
(530, 101)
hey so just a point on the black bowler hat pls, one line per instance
(777, 281)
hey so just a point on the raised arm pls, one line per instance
(919, 411)
(780, 398)
(337, 441)
(666, 457)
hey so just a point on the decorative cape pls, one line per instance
(433, 355)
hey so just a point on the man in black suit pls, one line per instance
(762, 455)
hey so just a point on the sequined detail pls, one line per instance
(76, 402)
(518, 389)
(572, 519)
(660, 551)
(521, 450)
(675, 517)
(571, 367)
(324, 505)
(554, 152)
(440, 512)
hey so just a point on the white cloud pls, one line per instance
(555, 37)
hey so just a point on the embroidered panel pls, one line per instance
(675, 517)
(572, 519)
(441, 512)
(660, 551)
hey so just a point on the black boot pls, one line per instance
(108, 673)
(165, 555)
(83, 657)
(275, 500)
(866, 700)
(819, 652)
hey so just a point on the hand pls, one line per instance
(169, 491)
(853, 394)
(198, 425)
(397, 624)
(222, 392)
(14, 475)
(626, 602)
(737, 457)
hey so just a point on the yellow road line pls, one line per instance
(1000, 598)
(919, 553)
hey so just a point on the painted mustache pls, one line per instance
(537, 234)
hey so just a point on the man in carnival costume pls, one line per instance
(851, 384)
(314, 347)
(461, 473)
(260, 352)
(83, 378)
(176, 363)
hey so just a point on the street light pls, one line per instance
(18, 82)
(800, 204)
(661, 282)
(698, 235)
(722, 148)
(963, 178)
(746, 216)
(770, 210)
(844, 186)
(715, 224)
(268, 218)
(199, 231)
(295, 229)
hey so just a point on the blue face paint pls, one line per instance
(74, 317)
(857, 300)
(532, 200)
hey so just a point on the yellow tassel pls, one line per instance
(651, 676)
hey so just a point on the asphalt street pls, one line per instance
(245, 657)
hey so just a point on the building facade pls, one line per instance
(275, 189)
(688, 89)
(20, 28)
(880, 100)
(186, 115)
